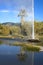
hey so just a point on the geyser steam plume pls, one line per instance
(33, 20)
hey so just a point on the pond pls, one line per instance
(15, 55)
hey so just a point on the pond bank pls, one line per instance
(7, 36)
(41, 48)
(21, 42)
(28, 46)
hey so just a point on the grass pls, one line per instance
(27, 46)
(11, 36)
(40, 44)
(32, 48)
(6, 36)
(0, 42)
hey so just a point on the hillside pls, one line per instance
(15, 29)
(10, 23)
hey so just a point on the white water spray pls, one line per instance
(33, 37)
(33, 30)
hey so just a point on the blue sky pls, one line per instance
(9, 10)
(38, 9)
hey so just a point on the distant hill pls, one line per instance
(10, 23)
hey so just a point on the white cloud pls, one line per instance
(8, 11)
(4, 11)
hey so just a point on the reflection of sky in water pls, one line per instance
(8, 56)
(11, 41)
(6, 49)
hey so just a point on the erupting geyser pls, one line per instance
(22, 14)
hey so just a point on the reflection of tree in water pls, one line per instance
(27, 56)
(22, 55)
(1, 41)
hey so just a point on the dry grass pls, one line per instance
(27, 46)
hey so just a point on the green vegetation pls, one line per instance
(0, 42)
(40, 44)
(21, 31)
(9, 31)
(32, 48)
(14, 31)
(27, 46)
(39, 29)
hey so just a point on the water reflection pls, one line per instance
(17, 55)
(22, 55)
(11, 54)
(17, 52)
(28, 58)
